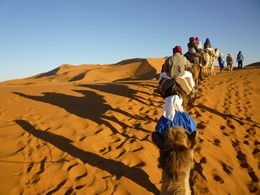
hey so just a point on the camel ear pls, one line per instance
(157, 139)
(193, 138)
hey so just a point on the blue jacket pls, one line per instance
(221, 59)
(240, 56)
(180, 119)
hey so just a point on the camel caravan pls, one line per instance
(204, 57)
(176, 131)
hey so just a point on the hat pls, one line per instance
(197, 39)
(191, 39)
(177, 49)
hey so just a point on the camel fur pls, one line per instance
(176, 147)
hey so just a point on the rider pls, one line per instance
(240, 59)
(208, 47)
(221, 61)
(229, 60)
(173, 112)
(174, 68)
(207, 44)
(174, 115)
(193, 49)
(198, 43)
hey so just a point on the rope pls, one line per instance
(174, 90)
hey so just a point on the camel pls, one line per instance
(230, 62)
(177, 90)
(176, 159)
(171, 83)
(230, 67)
(196, 74)
(196, 68)
(209, 61)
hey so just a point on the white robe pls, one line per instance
(172, 103)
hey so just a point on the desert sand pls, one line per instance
(87, 130)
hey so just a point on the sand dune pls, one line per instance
(86, 130)
(138, 68)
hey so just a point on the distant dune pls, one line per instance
(127, 69)
(253, 65)
(87, 130)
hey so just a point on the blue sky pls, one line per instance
(39, 35)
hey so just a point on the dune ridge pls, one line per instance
(86, 130)
(138, 68)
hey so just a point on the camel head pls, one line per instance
(216, 52)
(176, 147)
(175, 136)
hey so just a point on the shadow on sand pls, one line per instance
(116, 168)
(91, 106)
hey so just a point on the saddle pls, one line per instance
(208, 52)
(167, 87)
(193, 59)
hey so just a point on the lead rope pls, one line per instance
(174, 91)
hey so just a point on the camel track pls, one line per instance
(233, 109)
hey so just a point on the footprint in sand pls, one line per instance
(218, 179)
(197, 114)
(230, 125)
(239, 109)
(256, 151)
(216, 142)
(201, 125)
(246, 142)
(227, 168)
(251, 131)
(223, 127)
(242, 158)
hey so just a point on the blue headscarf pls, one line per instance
(208, 41)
